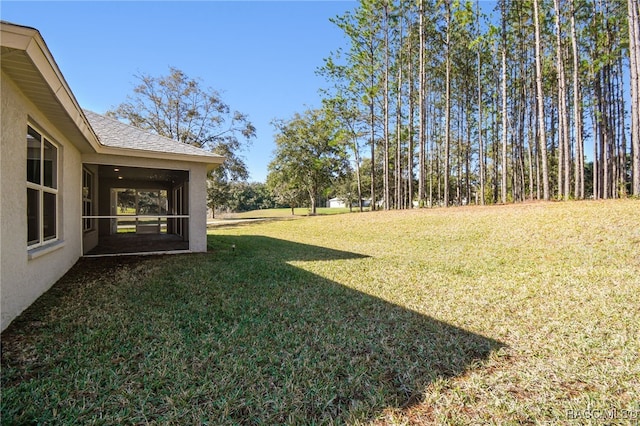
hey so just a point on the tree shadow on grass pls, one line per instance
(234, 336)
(236, 223)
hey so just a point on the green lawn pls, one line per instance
(286, 213)
(518, 314)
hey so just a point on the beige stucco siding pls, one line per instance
(198, 208)
(25, 274)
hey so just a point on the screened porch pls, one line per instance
(134, 210)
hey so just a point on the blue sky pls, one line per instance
(260, 55)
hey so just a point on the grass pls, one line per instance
(286, 213)
(519, 314)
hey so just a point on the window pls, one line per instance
(87, 199)
(42, 189)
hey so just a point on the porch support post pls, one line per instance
(197, 190)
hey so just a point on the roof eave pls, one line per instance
(212, 162)
(30, 41)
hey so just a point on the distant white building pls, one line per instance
(339, 203)
(336, 203)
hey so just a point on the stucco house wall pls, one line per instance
(26, 274)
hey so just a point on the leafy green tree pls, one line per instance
(180, 108)
(310, 154)
(240, 196)
(347, 113)
(356, 72)
(283, 190)
(247, 196)
(346, 189)
(218, 192)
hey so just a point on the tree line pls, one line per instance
(440, 102)
(437, 102)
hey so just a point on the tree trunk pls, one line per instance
(577, 111)
(563, 126)
(372, 124)
(604, 132)
(467, 156)
(398, 165)
(634, 59)
(542, 136)
(386, 109)
(372, 118)
(503, 186)
(458, 199)
(530, 156)
(410, 141)
(480, 141)
(429, 152)
(596, 162)
(313, 197)
(356, 153)
(494, 124)
(421, 111)
(447, 130)
(621, 136)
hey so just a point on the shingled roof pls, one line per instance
(115, 134)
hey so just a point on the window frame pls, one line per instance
(87, 199)
(42, 188)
